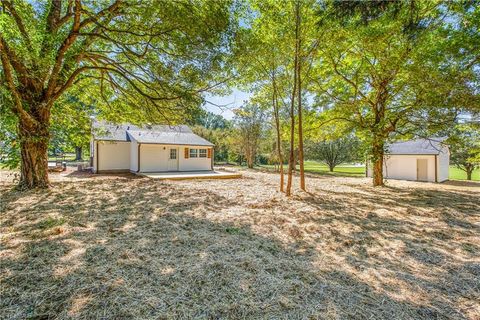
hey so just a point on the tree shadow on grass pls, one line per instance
(432, 237)
(147, 249)
(90, 175)
(463, 183)
(181, 267)
(136, 254)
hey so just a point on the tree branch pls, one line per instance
(19, 22)
(18, 106)
(67, 43)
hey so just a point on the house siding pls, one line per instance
(194, 164)
(404, 167)
(112, 156)
(155, 157)
(443, 164)
(133, 156)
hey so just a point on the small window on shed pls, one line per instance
(202, 153)
(193, 153)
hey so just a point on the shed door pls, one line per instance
(422, 169)
(173, 159)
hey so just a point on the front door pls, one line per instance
(173, 159)
(422, 169)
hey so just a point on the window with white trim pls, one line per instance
(193, 153)
(202, 153)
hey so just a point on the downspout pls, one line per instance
(96, 160)
(213, 156)
(138, 158)
(366, 167)
(436, 169)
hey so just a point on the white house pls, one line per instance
(418, 160)
(158, 148)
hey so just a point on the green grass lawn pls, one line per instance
(319, 168)
(457, 174)
(68, 157)
(353, 171)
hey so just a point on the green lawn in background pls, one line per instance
(319, 168)
(68, 157)
(457, 174)
(359, 171)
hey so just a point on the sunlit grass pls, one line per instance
(122, 246)
(320, 168)
(457, 174)
(359, 171)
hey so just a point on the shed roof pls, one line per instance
(160, 134)
(417, 146)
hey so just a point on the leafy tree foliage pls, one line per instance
(210, 120)
(217, 130)
(250, 128)
(378, 66)
(147, 59)
(334, 152)
(465, 148)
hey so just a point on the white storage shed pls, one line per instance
(417, 160)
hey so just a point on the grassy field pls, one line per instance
(359, 171)
(127, 247)
(320, 168)
(457, 174)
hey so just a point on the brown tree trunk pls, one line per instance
(291, 159)
(277, 127)
(469, 173)
(249, 163)
(34, 157)
(378, 153)
(78, 154)
(331, 168)
(299, 90)
(250, 155)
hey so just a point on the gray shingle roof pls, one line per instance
(108, 131)
(418, 146)
(161, 134)
(168, 137)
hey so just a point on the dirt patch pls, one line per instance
(123, 247)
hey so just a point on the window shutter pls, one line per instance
(209, 152)
(186, 153)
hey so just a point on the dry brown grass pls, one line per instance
(124, 247)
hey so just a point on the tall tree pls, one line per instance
(381, 61)
(334, 152)
(291, 158)
(250, 123)
(298, 54)
(149, 54)
(263, 57)
(464, 145)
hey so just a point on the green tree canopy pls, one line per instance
(147, 60)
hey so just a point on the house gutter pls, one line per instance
(436, 169)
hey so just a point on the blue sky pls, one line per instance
(225, 104)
